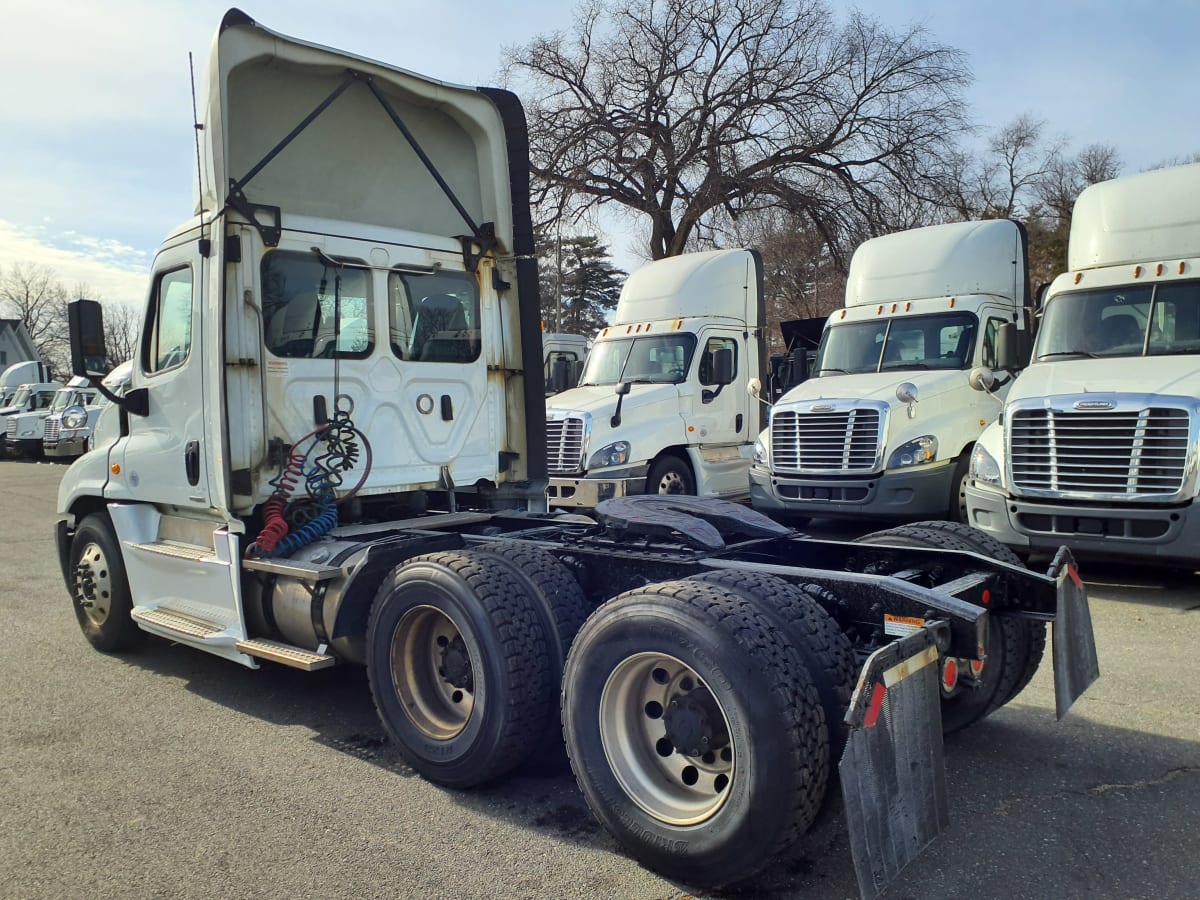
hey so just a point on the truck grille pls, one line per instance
(52, 428)
(11, 428)
(1121, 452)
(825, 442)
(564, 446)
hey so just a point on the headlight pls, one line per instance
(984, 466)
(760, 453)
(75, 417)
(613, 455)
(915, 453)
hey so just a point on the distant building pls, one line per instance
(15, 344)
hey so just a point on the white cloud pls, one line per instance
(112, 270)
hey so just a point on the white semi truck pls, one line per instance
(562, 356)
(74, 414)
(1097, 445)
(661, 406)
(332, 449)
(26, 431)
(21, 419)
(886, 425)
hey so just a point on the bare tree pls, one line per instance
(33, 294)
(683, 110)
(121, 324)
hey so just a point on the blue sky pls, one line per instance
(97, 156)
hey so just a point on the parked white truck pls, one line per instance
(22, 419)
(661, 406)
(18, 374)
(264, 498)
(74, 414)
(886, 425)
(1097, 446)
(25, 432)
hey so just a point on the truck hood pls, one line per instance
(879, 386)
(1177, 375)
(601, 399)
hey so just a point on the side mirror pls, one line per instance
(85, 319)
(906, 392)
(560, 374)
(723, 366)
(982, 379)
(1006, 347)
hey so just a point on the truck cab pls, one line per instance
(23, 418)
(1097, 446)
(885, 426)
(661, 405)
(75, 412)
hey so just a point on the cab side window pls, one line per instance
(169, 337)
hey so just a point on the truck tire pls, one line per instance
(1007, 649)
(670, 475)
(1034, 632)
(563, 609)
(458, 663)
(694, 731)
(826, 650)
(100, 587)
(957, 510)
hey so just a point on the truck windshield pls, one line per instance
(63, 399)
(1126, 320)
(942, 341)
(21, 398)
(660, 359)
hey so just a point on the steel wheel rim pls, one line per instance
(963, 515)
(672, 786)
(671, 483)
(432, 673)
(93, 584)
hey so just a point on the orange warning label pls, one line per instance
(901, 626)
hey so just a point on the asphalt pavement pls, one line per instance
(171, 773)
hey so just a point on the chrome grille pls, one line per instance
(1120, 452)
(11, 428)
(564, 446)
(837, 441)
(52, 427)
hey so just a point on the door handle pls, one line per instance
(191, 462)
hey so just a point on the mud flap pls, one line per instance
(1075, 662)
(893, 772)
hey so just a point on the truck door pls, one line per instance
(162, 459)
(719, 413)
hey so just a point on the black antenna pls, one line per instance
(198, 128)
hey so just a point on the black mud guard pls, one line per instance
(1076, 665)
(893, 772)
(702, 522)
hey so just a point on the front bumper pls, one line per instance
(586, 491)
(903, 494)
(64, 447)
(27, 447)
(1102, 530)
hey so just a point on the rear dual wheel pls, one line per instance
(695, 731)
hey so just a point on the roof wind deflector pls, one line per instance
(475, 246)
(481, 236)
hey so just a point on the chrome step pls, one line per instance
(191, 626)
(305, 571)
(296, 657)
(177, 549)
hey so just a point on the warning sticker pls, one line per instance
(901, 626)
(277, 367)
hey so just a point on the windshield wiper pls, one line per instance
(823, 370)
(1083, 353)
(904, 365)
